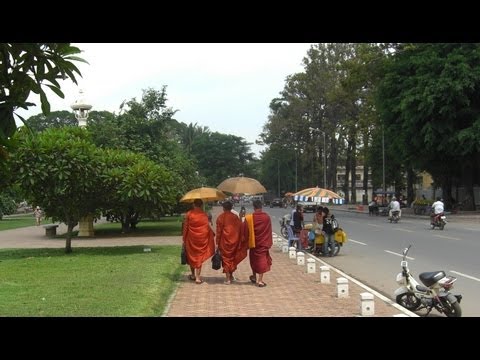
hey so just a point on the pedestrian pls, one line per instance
(198, 238)
(257, 230)
(228, 240)
(38, 215)
(328, 231)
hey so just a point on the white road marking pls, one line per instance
(403, 229)
(374, 225)
(401, 255)
(471, 229)
(357, 242)
(447, 237)
(464, 275)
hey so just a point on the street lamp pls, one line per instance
(324, 161)
(81, 108)
(278, 176)
(383, 159)
(324, 156)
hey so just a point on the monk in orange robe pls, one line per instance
(228, 239)
(258, 232)
(198, 238)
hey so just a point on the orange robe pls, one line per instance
(228, 239)
(198, 237)
(260, 259)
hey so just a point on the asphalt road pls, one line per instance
(373, 252)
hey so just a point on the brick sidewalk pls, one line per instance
(290, 292)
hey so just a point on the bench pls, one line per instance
(50, 230)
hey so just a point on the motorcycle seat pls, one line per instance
(430, 278)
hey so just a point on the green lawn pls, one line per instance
(110, 281)
(17, 222)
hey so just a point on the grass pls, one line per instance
(17, 222)
(109, 281)
(167, 226)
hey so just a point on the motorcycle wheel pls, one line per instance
(336, 251)
(284, 233)
(408, 301)
(441, 226)
(451, 310)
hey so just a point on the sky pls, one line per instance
(226, 87)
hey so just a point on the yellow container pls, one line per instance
(319, 239)
(340, 236)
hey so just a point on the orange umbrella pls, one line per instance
(242, 185)
(204, 193)
(316, 194)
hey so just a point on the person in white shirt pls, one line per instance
(394, 206)
(438, 209)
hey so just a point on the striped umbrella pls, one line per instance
(318, 195)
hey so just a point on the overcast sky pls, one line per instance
(226, 87)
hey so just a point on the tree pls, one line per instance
(136, 187)
(25, 68)
(59, 170)
(56, 119)
(429, 102)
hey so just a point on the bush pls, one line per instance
(7, 205)
(422, 202)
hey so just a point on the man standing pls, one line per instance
(258, 232)
(198, 238)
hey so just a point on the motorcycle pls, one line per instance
(433, 294)
(395, 216)
(284, 222)
(439, 220)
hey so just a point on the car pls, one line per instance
(276, 202)
(308, 206)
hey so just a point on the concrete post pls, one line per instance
(342, 287)
(310, 266)
(324, 274)
(292, 252)
(367, 306)
(300, 258)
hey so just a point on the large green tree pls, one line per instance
(59, 170)
(430, 103)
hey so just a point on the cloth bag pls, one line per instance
(183, 256)
(217, 260)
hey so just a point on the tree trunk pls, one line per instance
(68, 241)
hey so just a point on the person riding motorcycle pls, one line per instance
(437, 210)
(394, 206)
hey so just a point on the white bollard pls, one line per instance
(292, 252)
(310, 266)
(300, 258)
(367, 305)
(342, 287)
(324, 274)
(284, 248)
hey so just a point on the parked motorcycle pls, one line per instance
(433, 294)
(439, 220)
(395, 216)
